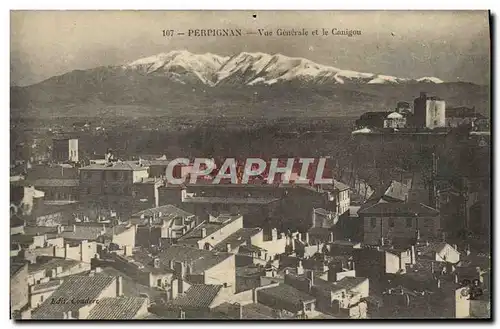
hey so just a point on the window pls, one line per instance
(373, 222)
(115, 175)
(391, 222)
(409, 222)
(158, 282)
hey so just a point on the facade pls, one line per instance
(384, 222)
(19, 295)
(395, 120)
(462, 116)
(110, 186)
(429, 112)
(65, 150)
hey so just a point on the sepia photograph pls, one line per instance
(250, 165)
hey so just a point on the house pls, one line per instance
(111, 185)
(77, 296)
(462, 116)
(119, 308)
(194, 266)
(438, 251)
(285, 297)
(395, 120)
(386, 221)
(46, 268)
(65, 149)
(429, 112)
(377, 263)
(162, 225)
(211, 232)
(200, 297)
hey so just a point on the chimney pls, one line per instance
(413, 255)
(74, 228)
(438, 283)
(180, 270)
(300, 269)
(254, 295)
(331, 237)
(282, 235)
(310, 276)
(353, 266)
(299, 236)
(287, 271)
(418, 235)
(203, 232)
(455, 247)
(59, 229)
(156, 263)
(423, 94)
(175, 289)
(307, 237)
(382, 241)
(119, 286)
(128, 250)
(432, 267)
(467, 250)
(228, 247)
(443, 236)
(240, 311)
(455, 277)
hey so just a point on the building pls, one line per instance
(211, 232)
(162, 225)
(79, 297)
(395, 120)
(372, 120)
(429, 112)
(384, 222)
(462, 116)
(65, 149)
(111, 186)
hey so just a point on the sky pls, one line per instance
(450, 45)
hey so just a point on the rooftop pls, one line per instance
(200, 260)
(55, 182)
(79, 287)
(45, 263)
(116, 308)
(238, 238)
(198, 296)
(167, 212)
(288, 294)
(210, 228)
(124, 165)
(399, 209)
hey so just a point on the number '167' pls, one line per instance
(168, 33)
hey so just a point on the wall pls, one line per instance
(435, 114)
(125, 238)
(73, 150)
(224, 272)
(392, 263)
(274, 247)
(219, 235)
(37, 297)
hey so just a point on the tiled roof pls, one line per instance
(237, 238)
(198, 296)
(50, 284)
(34, 230)
(52, 263)
(77, 287)
(399, 209)
(392, 191)
(287, 293)
(210, 227)
(117, 308)
(56, 182)
(199, 260)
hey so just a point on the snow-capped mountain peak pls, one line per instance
(251, 68)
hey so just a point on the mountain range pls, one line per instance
(181, 83)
